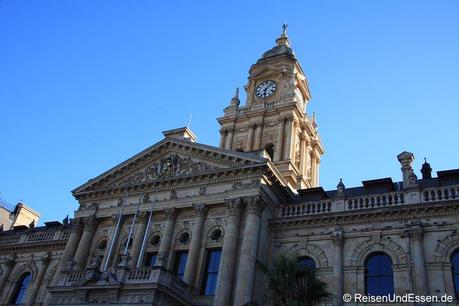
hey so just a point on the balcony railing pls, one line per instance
(30, 236)
(440, 194)
(376, 201)
(371, 201)
(152, 276)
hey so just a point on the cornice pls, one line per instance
(52, 244)
(368, 216)
(202, 179)
(137, 162)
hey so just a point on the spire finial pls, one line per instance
(283, 39)
(284, 29)
(235, 100)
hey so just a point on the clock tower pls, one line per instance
(274, 117)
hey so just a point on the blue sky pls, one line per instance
(85, 85)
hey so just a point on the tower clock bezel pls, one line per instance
(262, 93)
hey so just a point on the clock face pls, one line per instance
(265, 89)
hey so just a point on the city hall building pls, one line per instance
(184, 223)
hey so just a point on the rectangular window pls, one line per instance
(211, 272)
(150, 259)
(180, 263)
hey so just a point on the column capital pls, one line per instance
(142, 214)
(9, 261)
(44, 259)
(255, 205)
(90, 223)
(280, 120)
(417, 234)
(234, 206)
(171, 213)
(200, 209)
(76, 225)
(337, 236)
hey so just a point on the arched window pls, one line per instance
(455, 270)
(379, 277)
(21, 289)
(269, 148)
(307, 262)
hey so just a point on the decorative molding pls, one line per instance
(171, 213)
(446, 247)
(241, 185)
(200, 209)
(374, 244)
(310, 250)
(234, 207)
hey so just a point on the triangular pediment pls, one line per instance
(168, 160)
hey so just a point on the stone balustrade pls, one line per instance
(141, 276)
(32, 236)
(375, 201)
(9, 240)
(370, 201)
(40, 236)
(445, 193)
(305, 209)
(243, 110)
(73, 277)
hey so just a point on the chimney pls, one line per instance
(409, 178)
(181, 133)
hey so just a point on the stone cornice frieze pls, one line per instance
(203, 179)
(363, 217)
(45, 245)
(160, 150)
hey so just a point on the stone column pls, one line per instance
(419, 262)
(307, 160)
(229, 254)
(317, 171)
(138, 239)
(303, 153)
(222, 138)
(289, 138)
(7, 265)
(70, 248)
(338, 277)
(257, 142)
(166, 240)
(247, 261)
(250, 138)
(280, 139)
(195, 244)
(82, 252)
(35, 286)
(313, 168)
(229, 139)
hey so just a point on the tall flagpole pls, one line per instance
(132, 225)
(139, 260)
(112, 240)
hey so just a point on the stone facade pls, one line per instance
(184, 223)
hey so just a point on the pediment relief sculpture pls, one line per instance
(171, 166)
